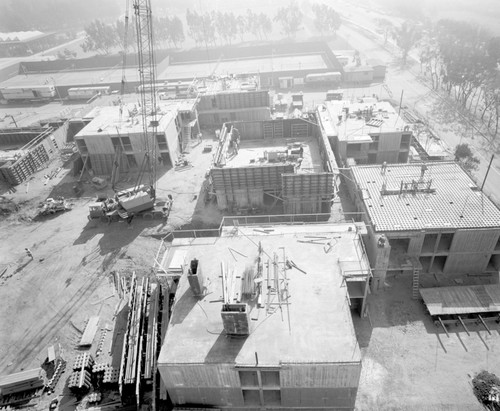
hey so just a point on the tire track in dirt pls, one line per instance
(42, 333)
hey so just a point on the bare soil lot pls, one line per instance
(410, 364)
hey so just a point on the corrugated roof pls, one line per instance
(462, 299)
(453, 200)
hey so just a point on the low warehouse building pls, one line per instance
(263, 321)
(430, 217)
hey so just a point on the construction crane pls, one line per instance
(125, 47)
(140, 198)
(147, 77)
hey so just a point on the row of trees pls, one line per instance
(458, 57)
(104, 38)
(463, 59)
(213, 28)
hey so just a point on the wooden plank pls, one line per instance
(484, 324)
(463, 325)
(89, 333)
(444, 327)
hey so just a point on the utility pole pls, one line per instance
(487, 171)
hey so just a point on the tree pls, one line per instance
(290, 18)
(243, 27)
(464, 155)
(265, 24)
(406, 37)
(193, 20)
(326, 19)
(100, 37)
(120, 33)
(175, 31)
(486, 387)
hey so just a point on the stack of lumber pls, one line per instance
(21, 381)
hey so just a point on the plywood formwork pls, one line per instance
(36, 147)
(264, 177)
(233, 100)
(307, 193)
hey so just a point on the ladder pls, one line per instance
(415, 283)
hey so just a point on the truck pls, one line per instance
(129, 203)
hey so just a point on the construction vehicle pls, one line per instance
(140, 199)
(53, 206)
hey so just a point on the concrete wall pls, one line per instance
(301, 386)
(101, 151)
(307, 193)
(274, 129)
(264, 50)
(216, 118)
(244, 187)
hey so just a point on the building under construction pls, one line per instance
(287, 163)
(262, 318)
(115, 135)
(426, 218)
(25, 150)
(365, 132)
(231, 100)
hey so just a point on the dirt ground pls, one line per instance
(410, 364)
(47, 299)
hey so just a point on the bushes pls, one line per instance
(486, 387)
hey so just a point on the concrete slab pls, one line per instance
(252, 153)
(314, 322)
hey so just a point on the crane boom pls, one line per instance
(147, 77)
(125, 47)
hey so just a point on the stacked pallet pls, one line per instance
(110, 374)
(80, 381)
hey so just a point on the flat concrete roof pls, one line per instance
(453, 203)
(106, 120)
(74, 78)
(244, 66)
(252, 153)
(321, 328)
(353, 127)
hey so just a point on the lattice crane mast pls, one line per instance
(148, 97)
(125, 49)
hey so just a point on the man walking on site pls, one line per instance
(29, 253)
